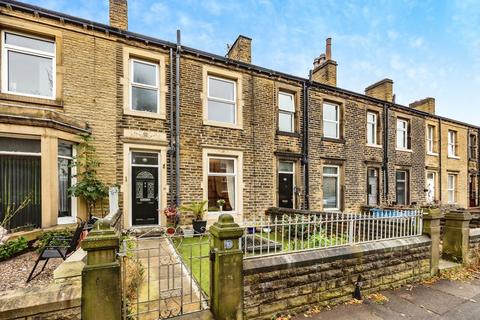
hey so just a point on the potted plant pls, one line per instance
(198, 210)
(220, 204)
(173, 219)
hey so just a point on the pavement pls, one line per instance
(444, 299)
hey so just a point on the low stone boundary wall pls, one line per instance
(474, 246)
(52, 301)
(292, 282)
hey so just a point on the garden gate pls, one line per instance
(166, 276)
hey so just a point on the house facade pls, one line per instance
(172, 125)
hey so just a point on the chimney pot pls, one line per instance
(328, 49)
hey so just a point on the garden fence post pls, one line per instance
(101, 287)
(456, 235)
(226, 269)
(431, 227)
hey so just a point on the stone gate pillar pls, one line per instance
(431, 227)
(101, 287)
(456, 235)
(226, 269)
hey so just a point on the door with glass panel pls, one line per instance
(430, 187)
(401, 184)
(145, 186)
(372, 187)
(286, 177)
(66, 203)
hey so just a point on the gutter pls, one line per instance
(177, 119)
(440, 155)
(305, 158)
(385, 152)
(171, 149)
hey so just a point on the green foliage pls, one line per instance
(89, 186)
(321, 239)
(11, 211)
(46, 239)
(13, 247)
(197, 208)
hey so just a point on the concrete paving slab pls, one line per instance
(403, 306)
(464, 290)
(347, 312)
(433, 300)
(469, 310)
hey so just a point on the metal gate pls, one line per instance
(20, 179)
(165, 276)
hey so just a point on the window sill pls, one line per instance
(34, 100)
(336, 140)
(405, 150)
(453, 157)
(433, 154)
(144, 114)
(66, 220)
(288, 134)
(222, 124)
(374, 145)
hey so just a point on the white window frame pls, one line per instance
(288, 112)
(452, 144)
(336, 122)
(472, 146)
(403, 131)
(8, 47)
(218, 174)
(452, 189)
(73, 217)
(144, 86)
(406, 181)
(431, 140)
(374, 127)
(337, 176)
(234, 101)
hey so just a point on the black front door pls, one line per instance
(144, 195)
(471, 191)
(285, 190)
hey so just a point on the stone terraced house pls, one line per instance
(173, 124)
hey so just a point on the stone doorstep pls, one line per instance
(445, 265)
(39, 299)
(71, 268)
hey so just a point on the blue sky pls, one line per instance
(428, 48)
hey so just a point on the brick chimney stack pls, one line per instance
(382, 90)
(324, 68)
(241, 50)
(119, 14)
(426, 105)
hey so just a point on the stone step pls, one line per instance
(445, 265)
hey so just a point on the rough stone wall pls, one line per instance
(474, 246)
(291, 283)
(241, 50)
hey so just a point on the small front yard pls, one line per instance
(195, 254)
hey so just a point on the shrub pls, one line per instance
(46, 237)
(13, 247)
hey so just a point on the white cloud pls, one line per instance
(416, 42)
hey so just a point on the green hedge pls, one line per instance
(13, 247)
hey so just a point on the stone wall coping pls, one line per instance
(72, 267)
(475, 232)
(39, 299)
(305, 258)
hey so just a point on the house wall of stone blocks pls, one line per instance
(92, 91)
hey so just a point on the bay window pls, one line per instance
(28, 65)
(222, 183)
(221, 100)
(286, 112)
(144, 86)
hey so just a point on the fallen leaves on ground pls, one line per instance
(378, 298)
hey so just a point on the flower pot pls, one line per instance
(170, 231)
(188, 233)
(199, 226)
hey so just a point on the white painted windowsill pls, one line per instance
(374, 145)
(433, 154)
(405, 150)
(454, 157)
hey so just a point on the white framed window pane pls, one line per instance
(285, 167)
(401, 139)
(330, 170)
(144, 158)
(30, 74)
(221, 111)
(221, 89)
(371, 133)
(30, 43)
(218, 165)
(144, 99)
(144, 73)
(285, 102)
(401, 187)
(330, 192)
(20, 145)
(371, 117)
(285, 121)
(330, 112)
(330, 129)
